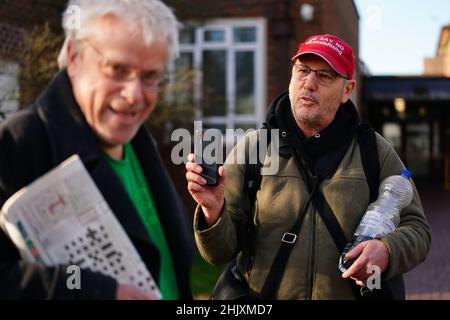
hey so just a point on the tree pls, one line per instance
(39, 62)
(175, 107)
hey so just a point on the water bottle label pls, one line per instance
(369, 224)
(388, 227)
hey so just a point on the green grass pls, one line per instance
(203, 277)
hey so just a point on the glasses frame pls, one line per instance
(161, 80)
(321, 74)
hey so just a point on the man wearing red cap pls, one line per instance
(320, 179)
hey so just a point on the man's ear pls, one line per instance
(348, 89)
(71, 55)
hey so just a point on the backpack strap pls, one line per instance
(369, 157)
(253, 172)
(395, 287)
(252, 182)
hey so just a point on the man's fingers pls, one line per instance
(356, 251)
(192, 166)
(194, 187)
(193, 177)
(355, 267)
(222, 175)
(361, 274)
(145, 296)
(360, 283)
(357, 264)
(191, 157)
(128, 292)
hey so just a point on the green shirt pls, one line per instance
(130, 174)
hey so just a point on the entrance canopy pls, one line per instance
(385, 88)
(413, 113)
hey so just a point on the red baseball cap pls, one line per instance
(333, 50)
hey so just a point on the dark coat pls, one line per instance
(43, 135)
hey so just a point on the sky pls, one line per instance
(396, 35)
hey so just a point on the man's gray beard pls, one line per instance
(310, 122)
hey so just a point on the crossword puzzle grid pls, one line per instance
(96, 251)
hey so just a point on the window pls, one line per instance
(229, 90)
(9, 88)
(393, 133)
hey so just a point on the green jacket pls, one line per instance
(311, 271)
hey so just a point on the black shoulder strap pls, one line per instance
(369, 157)
(253, 173)
(252, 181)
(371, 165)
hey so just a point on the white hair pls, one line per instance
(152, 18)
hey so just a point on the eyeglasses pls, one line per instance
(152, 81)
(325, 77)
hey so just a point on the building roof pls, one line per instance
(412, 88)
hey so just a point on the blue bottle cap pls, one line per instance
(406, 173)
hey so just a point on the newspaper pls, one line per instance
(62, 219)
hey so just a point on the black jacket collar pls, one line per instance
(66, 124)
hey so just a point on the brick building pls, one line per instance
(243, 48)
(440, 65)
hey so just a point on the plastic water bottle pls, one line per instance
(383, 215)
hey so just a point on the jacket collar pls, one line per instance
(68, 129)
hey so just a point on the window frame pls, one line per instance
(231, 119)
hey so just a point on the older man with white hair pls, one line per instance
(112, 67)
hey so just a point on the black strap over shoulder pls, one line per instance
(288, 241)
(253, 172)
(369, 157)
(371, 165)
(370, 162)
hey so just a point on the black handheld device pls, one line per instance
(209, 164)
